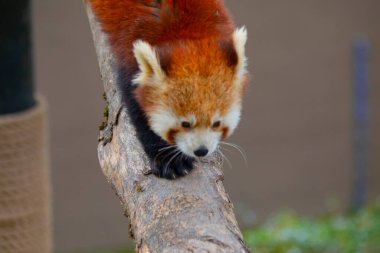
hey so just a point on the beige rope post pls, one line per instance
(24, 182)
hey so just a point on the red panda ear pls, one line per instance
(239, 38)
(149, 64)
(229, 52)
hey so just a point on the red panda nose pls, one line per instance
(201, 151)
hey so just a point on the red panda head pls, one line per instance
(191, 91)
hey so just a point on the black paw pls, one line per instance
(171, 167)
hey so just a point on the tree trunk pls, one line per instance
(190, 214)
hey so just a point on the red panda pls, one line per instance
(182, 75)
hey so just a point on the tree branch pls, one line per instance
(190, 214)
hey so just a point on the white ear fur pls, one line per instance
(149, 63)
(239, 38)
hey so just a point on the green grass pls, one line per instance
(289, 233)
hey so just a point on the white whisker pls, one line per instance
(171, 153)
(168, 147)
(171, 159)
(225, 149)
(225, 158)
(163, 152)
(239, 149)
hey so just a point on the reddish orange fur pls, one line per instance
(160, 22)
(225, 131)
(196, 67)
(171, 135)
(193, 41)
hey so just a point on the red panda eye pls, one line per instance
(216, 124)
(186, 125)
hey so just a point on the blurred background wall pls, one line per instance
(296, 128)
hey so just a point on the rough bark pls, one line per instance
(191, 214)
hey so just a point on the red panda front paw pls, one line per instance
(172, 168)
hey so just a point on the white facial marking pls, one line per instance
(188, 142)
(149, 64)
(161, 121)
(216, 118)
(190, 118)
(232, 118)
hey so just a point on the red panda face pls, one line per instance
(197, 140)
(191, 92)
(194, 134)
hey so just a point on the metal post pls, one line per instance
(16, 78)
(360, 117)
